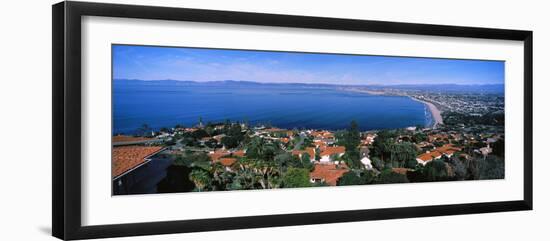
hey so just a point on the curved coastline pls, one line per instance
(436, 113)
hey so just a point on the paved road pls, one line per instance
(299, 144)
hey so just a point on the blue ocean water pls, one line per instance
(285, 106)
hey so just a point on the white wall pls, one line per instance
(25, 101)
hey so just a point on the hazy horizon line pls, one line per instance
(304, 83)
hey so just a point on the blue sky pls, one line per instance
(160, 63)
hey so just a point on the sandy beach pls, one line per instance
(436, 114)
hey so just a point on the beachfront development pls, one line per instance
(234, 155)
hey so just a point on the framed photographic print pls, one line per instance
(170, 120)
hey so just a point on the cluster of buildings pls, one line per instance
(469, 102)
(132, 156)
(226, 158)
(447, 150)
(450, 142)
(323, 152)
(131, 162)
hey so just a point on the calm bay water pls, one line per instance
(284, 106)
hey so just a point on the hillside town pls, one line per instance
(466, 145)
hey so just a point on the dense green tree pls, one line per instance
(197, 159)
(266, 173)
(254, 174)
(235, 130)
(254, 148)
(180, 160)
(270, 150)
(352, 162)
(209, 129)
(320, 184)
(198, 134)
(201, 178)
(458, 167)
(411, 163)
(357, 177)
(454, 118)
(229, 142)
(221, 178)
(317, 154)
(402, 153)
(189, 141)
(234, 135)
(351, 140)
(369, 176)
(388, 176)
(306, 161)
(439, 143)
(377, 163)
(308, 141)
(419, 137)
(491, 168)
(498, 148)
(212, 143)
(284, 160)
(245, 178)
(472, 168)
(350, 178)
(382, 144)
(435, 170)
(296, 177)
(416, 174)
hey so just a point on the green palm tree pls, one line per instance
(255, 148)
(220, 175)
(266, 173)
(201, 178)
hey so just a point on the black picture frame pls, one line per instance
(66, 75)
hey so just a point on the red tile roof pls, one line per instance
(126, 158)
(217, 155)
(445, 149)
(308, 150)
(311, 152)
(320, 144)
(227, 161)
(330, 150)
(323, 134)
(429, 156)
(330, 173)
(425, 157)
(239, 153)
(448, 148)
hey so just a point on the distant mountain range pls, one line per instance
(486, 88)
